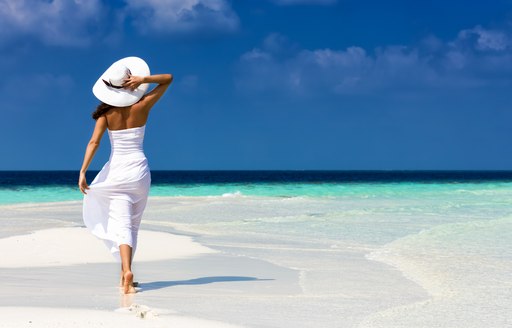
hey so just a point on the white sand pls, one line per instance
(68, 246)
(62, 276)
(75, 246)
(34, 317)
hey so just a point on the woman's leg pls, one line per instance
(137, 210)
(126, 263)
(119, 227)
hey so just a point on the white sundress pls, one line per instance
(116, 198)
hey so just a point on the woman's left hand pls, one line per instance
(133, 82)
(82, 183)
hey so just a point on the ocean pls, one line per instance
(449, 232)
(51, 186)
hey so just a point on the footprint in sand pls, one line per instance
(142, 311)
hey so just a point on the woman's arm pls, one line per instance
(149, 99)
(133, 81)
(92, 146)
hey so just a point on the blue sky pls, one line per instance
(266, 84)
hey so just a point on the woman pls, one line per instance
(114, 202)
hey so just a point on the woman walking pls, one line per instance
(115, 200)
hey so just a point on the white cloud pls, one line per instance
(57, 22)
(352, 57)
(310, 71)
(80, 22)
(335, 70)
(475, 58)
(304, 2)
(182, 16)
(485, 39)
(256, 54)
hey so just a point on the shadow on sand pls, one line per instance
(197, 281)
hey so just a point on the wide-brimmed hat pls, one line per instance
(108, 88)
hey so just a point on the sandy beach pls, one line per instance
(224, 262)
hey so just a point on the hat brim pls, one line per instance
(122, 97)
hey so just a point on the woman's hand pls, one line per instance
(133, 82)
(82, 183)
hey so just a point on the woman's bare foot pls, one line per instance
(121, 282)
(128, 283)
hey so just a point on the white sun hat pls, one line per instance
(108, 88)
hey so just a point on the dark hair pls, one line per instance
(100, 110)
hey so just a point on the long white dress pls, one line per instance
(116, 198)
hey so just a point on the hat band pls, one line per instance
(108, 84)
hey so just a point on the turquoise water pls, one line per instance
(27, 194)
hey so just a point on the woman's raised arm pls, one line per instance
(149, 99)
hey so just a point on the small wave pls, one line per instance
(232, 194)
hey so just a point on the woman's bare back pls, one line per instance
(120, 118)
